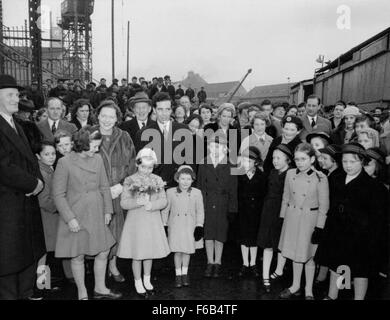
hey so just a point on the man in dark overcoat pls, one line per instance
(22, 241)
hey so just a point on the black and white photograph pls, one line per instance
(208, 152)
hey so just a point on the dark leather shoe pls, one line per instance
(143, 295)
(150, 292)
(117, 278)
(209, 270)
(110, 295)
(309, 298)
(254, 272)
(243, 271)
(178, 283)
(287, 294)
(217, 271)
(267, 285)
(185, 280)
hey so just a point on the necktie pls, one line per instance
(313, 123)
(143, 124)
(53, 128)
(13, 125)
(165, 132)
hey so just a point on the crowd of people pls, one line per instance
(143, 170)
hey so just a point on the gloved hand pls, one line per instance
(316, 236)
(166, 230)
(198, 233)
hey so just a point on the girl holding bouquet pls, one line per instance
(143, 237)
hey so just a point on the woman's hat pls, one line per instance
(285, 149)
(184, 169)
(7, 81)
(293, 119)
(376, 154)
(323, 135)
(351, 111)
(148, 154)
(333, 150)
(355, 148)
(26, 105)
(220, 139)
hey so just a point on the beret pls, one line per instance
(292, 119)
(323, 135)
(285, 149)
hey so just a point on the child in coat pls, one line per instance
(82, 196)
(143, 238)
(219, 190)
(304, 208)
(184, 217)
(251, 192)
(46, 155)
(271, 223)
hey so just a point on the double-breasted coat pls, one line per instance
(356, 215)
(251, 194)
(48, 208)
(304, 207)
(21, 233)
(219, 190)
(183, 213)
(118, 154)
(81, 191)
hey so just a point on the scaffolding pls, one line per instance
(76, 28)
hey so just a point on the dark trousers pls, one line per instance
(18, 285)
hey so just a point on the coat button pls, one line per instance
(213, 207)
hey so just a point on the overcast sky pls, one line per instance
(222, 39)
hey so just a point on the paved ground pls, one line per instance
(228, 287)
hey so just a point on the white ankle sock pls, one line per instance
(184, 270)
(139, 286)
(178, 272)
(147, 284)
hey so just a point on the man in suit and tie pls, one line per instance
(54, 122)
(312, 122)
(22, 241)
(163, 130)
(141, 106)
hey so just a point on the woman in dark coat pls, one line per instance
(251, 192)
(352, 232)
(118, 154)
(291, 127)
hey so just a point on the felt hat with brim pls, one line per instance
(285, 149)
(26, 105)
(333, 150)
(323, 135)
(376, 154)
(252, 153)
(7, 81)
(355, 148)
(148, 154)
(139, 97)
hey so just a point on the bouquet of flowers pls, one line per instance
(144, 185)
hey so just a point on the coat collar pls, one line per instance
(308, 173)
(178, 190)
(19, 141)
(87, 164)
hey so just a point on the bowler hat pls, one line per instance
(7, 81)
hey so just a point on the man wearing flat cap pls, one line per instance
(22, 242)
(140, 104)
